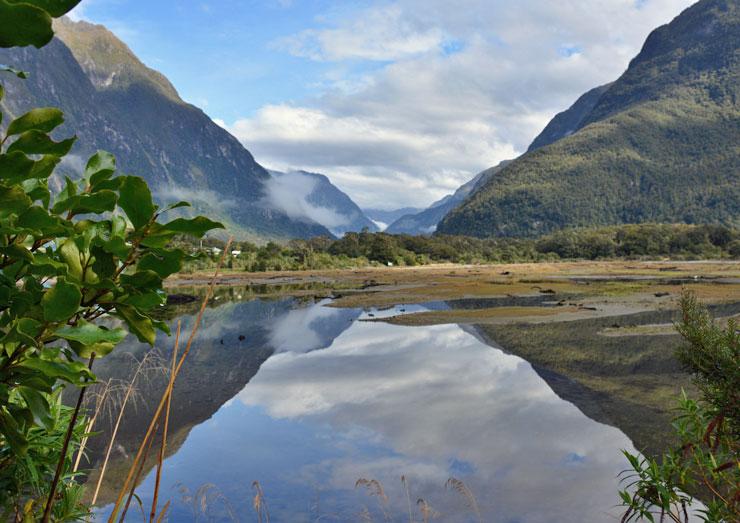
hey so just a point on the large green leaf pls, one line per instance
(23, 331)
(38, 406)
(44, 167)
(100, 166)
(16, 252)
(55, 8)
(197, 226)
(10, 430)
(70, 254)
(24, 24)
(73, 372)
(44, 119)
(163, 262)
(142, 280)
(38, 142)
(87, 338)
(15, 167)
(139, 324)
(38, 219)
(61, 302)
(147, 301)
(14, 201)
(136, 201)
(44, 266)
(97, 202)
(104, 265)
(89, 333)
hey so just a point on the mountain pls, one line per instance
(313, 198)
(569, 121)
(382, 217)
(661, 144)
(425, 222)
(112, 101)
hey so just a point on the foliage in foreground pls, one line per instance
(98, 248)
(364, 248)
(707, 462)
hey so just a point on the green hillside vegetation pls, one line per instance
(661, 145)
(367, 249)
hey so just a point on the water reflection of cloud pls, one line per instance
(309, 328)
(437, 396)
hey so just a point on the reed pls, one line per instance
(374, 488)
(130, 388)
(462, 489)
(427, 512)
(162, 402)
(259, 503)
(163, 446)
(99, 402)
(406, 488)
(137, 477)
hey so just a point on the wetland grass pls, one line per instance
(129, 483)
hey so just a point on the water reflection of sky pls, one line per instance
(381, 401)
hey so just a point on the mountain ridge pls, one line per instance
(175, 146)
(660, 145)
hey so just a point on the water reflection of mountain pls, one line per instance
(632, 382)
(234, 340)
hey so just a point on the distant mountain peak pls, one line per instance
(310, 196)
(107, 61)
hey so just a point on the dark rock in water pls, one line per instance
(177, 299)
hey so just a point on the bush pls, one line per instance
(707, 462)
(97, 248)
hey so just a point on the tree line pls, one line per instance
(675, 241)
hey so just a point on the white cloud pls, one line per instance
(290, 193)
(468, 84)
(439, 399)
(379, 33)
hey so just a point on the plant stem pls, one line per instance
(163, 400)
(138, 475)
(65, 447)
(162, 447)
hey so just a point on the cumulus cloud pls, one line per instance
(438, 91)
(290, 193)
(380, 33)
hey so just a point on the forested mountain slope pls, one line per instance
(662, 144)
(114, 102)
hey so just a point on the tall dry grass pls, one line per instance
(130, 483)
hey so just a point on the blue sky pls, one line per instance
(221, 55)
(398, 101)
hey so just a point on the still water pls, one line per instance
(313, 398)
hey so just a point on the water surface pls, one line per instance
(326, 399)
